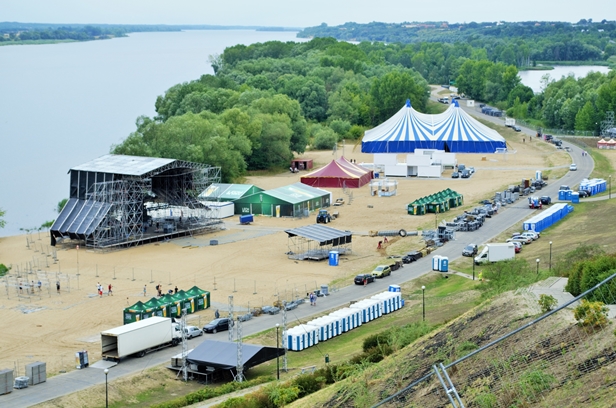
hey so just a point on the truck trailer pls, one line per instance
(495, 253)
(509, 122)
(139, 338)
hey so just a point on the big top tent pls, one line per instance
(338, 173)
(452, 131)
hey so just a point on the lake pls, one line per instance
(532, 79)
(65, 104)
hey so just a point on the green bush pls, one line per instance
(547, 302)
(308, 384)
(3, 269)
(341, 127)
(586, 274)
(591, 314)
(325, 139)
(356, 132)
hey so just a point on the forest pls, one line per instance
(271, 100)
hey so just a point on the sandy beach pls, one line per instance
(250, 263)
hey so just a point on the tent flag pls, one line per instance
(453, 130)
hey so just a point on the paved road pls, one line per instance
(511, 215)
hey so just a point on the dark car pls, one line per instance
(546, 200)
(465, 173)
(359, 279)
(470, 250)
(217, 325)
(455, 174)
(516, 128)
(583, 193)
(411, 257)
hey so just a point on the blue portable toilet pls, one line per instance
(334, 258)
(568, 195)
(562, 195)
(394, 288)
(575, 198)
(444, 264)
(436, 262)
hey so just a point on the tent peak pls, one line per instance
(408, 103)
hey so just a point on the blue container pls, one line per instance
(562, 195)
(575, 198)
(568, 195)
(444, 264)
(246, 219)
(334, 258)
(394, 288)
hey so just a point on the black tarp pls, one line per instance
(222, 355)
(322, 234)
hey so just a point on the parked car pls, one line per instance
(471, 170)
(359, 279)
(516, 128)
(518, 247)
(573, 167)
(564, 187)
(411, 257)
(557, 142)
(217, 325)
(545, 200)
(455, 174)
(469, 250)
(530, 234)
(521, 239)
(193, 331)
(461, 167)
(381, 271)
(443, 100)
(583, 193)
(465, 173)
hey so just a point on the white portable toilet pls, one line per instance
(436, 259)
(390, 300)
(321, 329)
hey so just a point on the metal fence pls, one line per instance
(516, 369)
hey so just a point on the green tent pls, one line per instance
(134, 313)
(184, 301)
(202, 297)
(170, 305)
(288, 201)
(155, 307)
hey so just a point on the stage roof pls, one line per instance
(322, 234)
(121, 164)
(223, 354)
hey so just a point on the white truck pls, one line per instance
(509, 122)
(495, 253)
(139, 338)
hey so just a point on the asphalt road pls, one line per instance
(510, 215)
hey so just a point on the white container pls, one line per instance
(301, 337)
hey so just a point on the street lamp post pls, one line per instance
(538, 266)
(423, 302)
(106, 389)
(550, 257)
(277, 353)
(610, 187)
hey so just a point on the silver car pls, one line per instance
(193, 331)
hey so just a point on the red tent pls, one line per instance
(339, 173)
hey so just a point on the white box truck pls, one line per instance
(139, 338)
(495, 253)
(509, 122)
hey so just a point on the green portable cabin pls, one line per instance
(228, 192)
(202, 297)
(289, 201)
(134, 313)
(185, 301)
(416, 208)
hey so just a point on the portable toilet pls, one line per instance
(568, 195)
(562, 195)
(343, 320)
(538, 175)
(435, 262)
(334, 258)
(444, 264)
(394, 288)
(575, 198)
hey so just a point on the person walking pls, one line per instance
(21, 290)
(176, 289)
(110, 292)
(39, 286)
(145, 290)
(58, 287)
(365, 281)
(217, 314)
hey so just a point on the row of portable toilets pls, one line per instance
(343, 320)
(548, 217)
(440, 263)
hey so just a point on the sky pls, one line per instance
(292, 13)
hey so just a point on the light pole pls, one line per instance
(423, 302)
(277, 353)
(610, 187)
(106, 389)
(538, 266)
(550, 257)
(473, 269)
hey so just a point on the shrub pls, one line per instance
(3, 269)
(308, 384)
(486, 400)
(356, 132)
(547, 302)
(591, 314)
(341, 127)
(325, 139)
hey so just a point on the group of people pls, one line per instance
(29, 287)
(313, 298)
(159, 290)
(99, 290)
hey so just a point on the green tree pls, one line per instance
(61, 205)
(586, 117)
(390, 92)
(2, 221)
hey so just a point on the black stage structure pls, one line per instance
(118, 201)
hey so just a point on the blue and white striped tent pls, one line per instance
(453, 131)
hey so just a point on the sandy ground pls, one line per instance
(51, 327)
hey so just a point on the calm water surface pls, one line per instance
(62, 105)
(532, 79)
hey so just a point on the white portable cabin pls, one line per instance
(391, 301)
(301, 337)
(348, 318)
(370, 309)
(325, 326)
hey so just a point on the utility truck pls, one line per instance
(495, 253)
(139, 338)
(509, 122)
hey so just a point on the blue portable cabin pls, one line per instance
(547, 218)
(348, 318)
(391, 301)
(370, 309)
(301, 337)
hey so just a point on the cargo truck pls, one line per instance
(139, 338)
(495, 253)
(509, 122)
